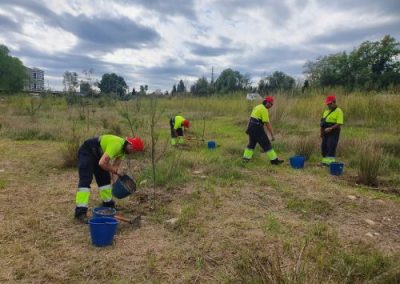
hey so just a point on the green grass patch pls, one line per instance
(310, 207)
(2, 184)
(272, 224)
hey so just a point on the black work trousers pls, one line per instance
(177, 132)
(257, 134)
(329, 143)
(89, 155)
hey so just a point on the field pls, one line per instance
(210, 217)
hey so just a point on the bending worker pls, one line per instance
(257, 133)
(101, 156)
(331, 122)
(177, 124)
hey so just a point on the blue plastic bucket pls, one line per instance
(102, 230)
(123, 187)
(297, 162)
(211, 144)
(336, 168)
(104, 212)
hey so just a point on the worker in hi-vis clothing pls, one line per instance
(177, 124)
(101, 156)
(257, 134)
(331, 122)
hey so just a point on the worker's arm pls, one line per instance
(268, 125)
(329, 129)
(105, 164)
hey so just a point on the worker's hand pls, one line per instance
(272, 138)
(327, 130)
(117, 171)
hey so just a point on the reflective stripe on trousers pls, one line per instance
(82, 197)
(105, 193)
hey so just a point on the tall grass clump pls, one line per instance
(69, 151)
(370, 162)
(305, 146)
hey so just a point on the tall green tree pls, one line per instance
(111, 83)
(13, 74)
(143, 90)
(201, 87)
(276, 82)
(173, 91)
(181, 88)
(231, 81)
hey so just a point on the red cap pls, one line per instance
(186, 123)
(329, 99)
(269, 99)
(137, 143)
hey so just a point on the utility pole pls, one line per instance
(212, 75)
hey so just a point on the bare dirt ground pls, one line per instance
(41, 243)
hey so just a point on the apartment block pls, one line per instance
(36, 79)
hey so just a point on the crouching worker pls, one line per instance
(331, 122)
(257, 133)
(177, 125)
(101, 156)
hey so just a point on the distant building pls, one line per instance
(36, 80)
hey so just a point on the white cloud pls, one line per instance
(48, 39)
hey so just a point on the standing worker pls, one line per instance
(331, 122)
(257, 134)
(177, 124)
(101, 156)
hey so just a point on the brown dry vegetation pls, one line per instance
(236, 223)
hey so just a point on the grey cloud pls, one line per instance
(6, 24)
(108, 34)
(357, 35)
(277, 11)
(203, 50)
(385, 6)
(183, 8)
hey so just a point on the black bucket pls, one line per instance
(123, 187)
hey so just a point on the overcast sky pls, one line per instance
(159, 42)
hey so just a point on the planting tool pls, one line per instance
(135, 221)
(195, 138)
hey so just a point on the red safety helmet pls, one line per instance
(269, 99)
(330, 99)
(186, 123)
(137, 143)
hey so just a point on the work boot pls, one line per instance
(245, 160)
(110, 204)
(80, 214)
(276, 162)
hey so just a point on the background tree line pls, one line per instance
(371, 66)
